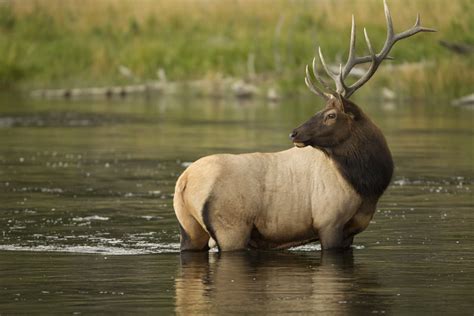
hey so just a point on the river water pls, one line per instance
(87, 223)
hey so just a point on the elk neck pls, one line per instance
(364, 159)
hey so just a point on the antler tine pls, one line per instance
(340, 80)
(314, 88)
(417, 28)
(388, 18)
(335, 77)
(369, 45)
(318, 77)
(352, 41)
(323, 62)
(351, 58)
(418, 20)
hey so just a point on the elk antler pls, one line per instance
(353, 60)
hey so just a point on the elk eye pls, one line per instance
(331, 116)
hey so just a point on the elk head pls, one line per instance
(329, 127)
(340, 117)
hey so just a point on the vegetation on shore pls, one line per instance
(56, 43)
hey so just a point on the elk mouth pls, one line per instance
(299, 145)
(298, 142)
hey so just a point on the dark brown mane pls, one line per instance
(364, 159)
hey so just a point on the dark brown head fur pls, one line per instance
(353, 141)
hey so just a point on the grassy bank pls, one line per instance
(57, 43)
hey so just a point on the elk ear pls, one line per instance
(351, 109)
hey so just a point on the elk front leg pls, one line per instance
(332, 238)
(234, 238)
(347, 242)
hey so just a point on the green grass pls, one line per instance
(65, 43)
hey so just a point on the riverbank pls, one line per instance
(57, 44)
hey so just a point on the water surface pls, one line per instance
(87, 224)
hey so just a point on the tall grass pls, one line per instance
(80, 43)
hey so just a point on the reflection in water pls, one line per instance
(268, 282)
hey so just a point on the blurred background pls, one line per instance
(220, 46)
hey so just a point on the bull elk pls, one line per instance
(325, 188)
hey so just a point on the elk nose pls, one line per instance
(293, 134)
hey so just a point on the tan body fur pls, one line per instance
(268, 200)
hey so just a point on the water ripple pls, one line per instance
(147, 248)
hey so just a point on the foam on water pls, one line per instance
(90, 218)
(317, 247)
(139, 248)
(148, 248)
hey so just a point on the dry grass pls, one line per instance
(66, 42)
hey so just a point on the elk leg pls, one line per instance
(331, 238)
(231, 239)
(193, 237)
(347, 242)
